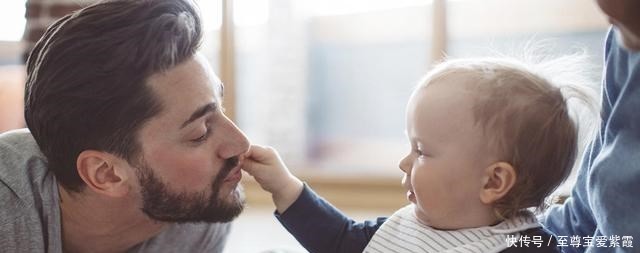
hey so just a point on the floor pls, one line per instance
(258, 231)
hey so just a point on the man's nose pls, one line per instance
(235, 143)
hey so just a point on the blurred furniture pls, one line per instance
(12, 79)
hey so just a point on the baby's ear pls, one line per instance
(498, 180)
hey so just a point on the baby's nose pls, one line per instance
(405, 165)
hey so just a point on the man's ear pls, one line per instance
(103, 173)
(498, 180)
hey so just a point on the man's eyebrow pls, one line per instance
(199, 113)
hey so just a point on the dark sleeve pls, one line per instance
(549, 243)
(322, 228)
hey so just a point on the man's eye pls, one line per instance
(204, 136)
(201, 138)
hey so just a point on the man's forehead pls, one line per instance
(195, 69)
(218, 86)
(186, 88)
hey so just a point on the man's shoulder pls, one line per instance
(23, 228)
(188, 237)
(23, 169)
(17, 147)
(16, 137)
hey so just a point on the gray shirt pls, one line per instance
(30, 211)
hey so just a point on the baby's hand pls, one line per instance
(265, 165)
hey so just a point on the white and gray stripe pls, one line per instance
(402, 233)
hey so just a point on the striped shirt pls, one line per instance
(402, 232)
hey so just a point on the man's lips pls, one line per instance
(235, 175)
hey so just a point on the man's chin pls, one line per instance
(233, 205)
(224, 208)
(222, 202)
(236, 193)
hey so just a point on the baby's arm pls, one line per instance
(316, 224)
(265, 165)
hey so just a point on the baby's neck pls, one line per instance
(472, 219)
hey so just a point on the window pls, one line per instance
(480, 28)
(12, 16)
(495, 30)
(326, 82)
(12, 12)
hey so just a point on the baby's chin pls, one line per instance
(438, 224)
(420, 216)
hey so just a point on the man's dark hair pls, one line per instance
(86, 84)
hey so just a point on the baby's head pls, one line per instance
(489, 138)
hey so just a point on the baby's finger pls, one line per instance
(250, 166)
(260, 153)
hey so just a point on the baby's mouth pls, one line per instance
(411, 196)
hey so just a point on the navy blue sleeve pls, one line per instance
(322, 228)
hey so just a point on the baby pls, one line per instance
(489, 138)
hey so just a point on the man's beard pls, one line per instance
(159, 203)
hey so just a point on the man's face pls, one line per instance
(625, 16)
(189, 168)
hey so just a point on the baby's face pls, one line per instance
(444, 169)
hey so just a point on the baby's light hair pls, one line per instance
(523, 109)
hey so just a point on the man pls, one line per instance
(128, 148)
(602, 212)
